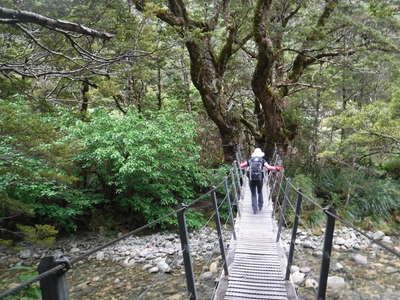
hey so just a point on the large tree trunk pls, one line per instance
(209, 83)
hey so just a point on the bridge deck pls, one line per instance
(256, 269)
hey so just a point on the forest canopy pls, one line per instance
(113, 112)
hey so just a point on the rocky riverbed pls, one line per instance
(146, 267)
(359, 269)
(151, 267)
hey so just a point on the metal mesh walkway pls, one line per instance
(256, 270)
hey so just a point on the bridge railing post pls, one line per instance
(187, 259)
(238, 175)
(54, 286)
(294, 234)
(235, 191)
(326, 255)
(283, 209)
(274, 206)
(228, 198)
(219, 232)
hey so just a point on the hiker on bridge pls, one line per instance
(255, 173)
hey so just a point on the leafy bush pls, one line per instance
(145, 163)
(32, 291)
(40, 235)
(393, 167)
(36, 173)
(357, 194)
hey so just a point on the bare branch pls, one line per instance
(22, 16)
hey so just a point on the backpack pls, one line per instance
(256, 169)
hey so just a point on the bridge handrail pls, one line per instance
(348, 224)
(65, 264)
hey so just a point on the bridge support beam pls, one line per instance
(294, 234)
(54, 286)
(219, 231)
(283, 209)
(187, 259)
(326, 255)
(228, 198)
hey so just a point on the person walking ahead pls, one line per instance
(256, 176)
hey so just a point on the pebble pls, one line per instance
(153, 270)
(311, 283)
(25, 254)
(305, 270)
(294, 269)
(206, 276)
(360, 259)
(297, 277)
(378, 235)
(336, 282)
(163, 266)
(214, 267)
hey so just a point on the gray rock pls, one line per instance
(360, 259)
(294, 269)
(297, 277)
(58, 253)
(338, 266)
(25, 254)
(340, 241)
(146, 267)
(129, 262)
(311, 283)
(317, 253)
(75, 250)
(387, 239)
(305, 270)
(214, 267)
(336, 283)
(153, 270)
(100, 255)
(206, 276)
(163, 266)
(378, 235)
(309, 245)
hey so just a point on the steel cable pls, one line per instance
(348, 224)
(96, 249)
(33, 280)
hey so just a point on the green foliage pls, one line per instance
(306, 185)
(314, 218)
(357, 194)
(392, 166)
(147, 163)
(31, 292)
(40, 235)
(36, 173)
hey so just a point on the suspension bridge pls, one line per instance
(254, 264)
